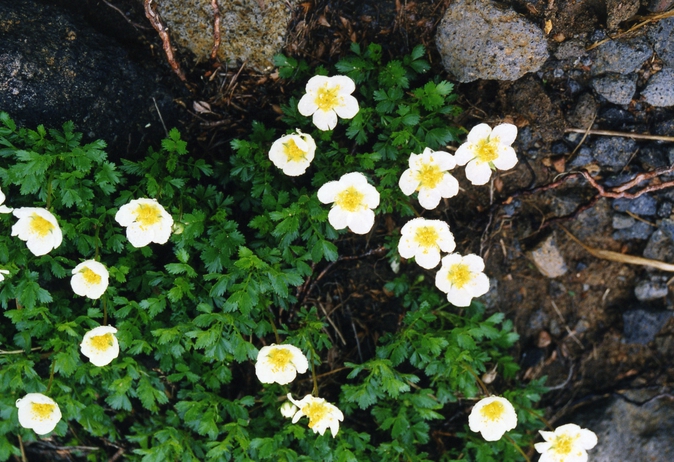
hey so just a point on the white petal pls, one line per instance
(407, 247)
(459, 297)
(478, 172)
(506, 133)
(408, 182)
(479, 285)
(475, 262)
(444, 160)
(361, 222)
(507, 158)
(348, 107)
(542, 447)
(371, 194)
(338, 217)
(328, 192)
(478, 133)
(428, 259)
(353, 179)
(464, 154)
(429, 198)
(448, 187)
(587, 439)
(346, 84)
(295, 168)
(325, 120)
(307, 105)
(316, 82)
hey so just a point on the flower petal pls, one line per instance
(325, 120)
(464, 154)
(328, 192)
(307, 105)
(478, 133)
(408, 182)
(338, 217)
(505, 133)
(361, 222)
(346, 84)
(478, 172)
(348, 108)
(429, 198)
(428, 259)
(507, 158)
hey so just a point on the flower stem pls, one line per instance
(51, 376)
(517, 446)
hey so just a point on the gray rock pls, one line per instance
(641, 326)
(645, 205)
(630, 431)
(548, 259)
(659, 6)
(54, 67)
(620, 56)
(618, 11)
(622, 221)
(613, 153)
(616, 88)
(649, 290)
(659, 91)
(584, 112)
(477, 40)
(661, 36)
(250, 31)
(638, 231)
(571, 49)
(659, 247)
(583, 157)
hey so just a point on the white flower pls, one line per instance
(2, 274)
(90, 279)
(39, 228)
(288, 410)
(486, 149)
(354, 198)
(567, 443)
(322, 415)
(146, 221)
(428, 174)
(328, 97)
(39, 412)
(3, 207)
(424, 239)
(462, 278)
(100, 345)
(280, 364)
(492, 417)
(293, 153)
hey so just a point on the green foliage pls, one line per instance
(192, 314)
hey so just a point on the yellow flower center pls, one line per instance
(101, 342)
(487, 150)
(563, 444)
(327, 98)
(459, 274)
(147, 215)
(42, 411)
(493, 411)
(426, 236)
(40, 226)
(90, 277)
(316, 411)
(292, 151)
(279, 358)
(350, 199)
(430, 176)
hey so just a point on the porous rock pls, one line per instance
(659, 90)
(620, 56)
(548, 259)
(661, 36)
(477, 40)
(250, 31)
(616, 88)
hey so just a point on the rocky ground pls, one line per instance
(576, 77)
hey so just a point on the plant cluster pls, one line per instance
(187, 279)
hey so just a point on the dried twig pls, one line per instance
(619, 191)
(648, 20)
(135, 25)
(620, 257)
(152, 15)
(637, 136)
(216, 29)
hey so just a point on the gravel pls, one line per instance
(659, 91)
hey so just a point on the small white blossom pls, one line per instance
(280, 364)
(145, 221)
(328, 97)
(90, 279)
(486, 149)
(322, 415)
(428, 174)
(39, 228)
(492, 416)
(2, 274)
(293, 153)
(3, 207)
(568, 443)
(424, 240)
(461, 277)
(38, 412)
(288, 410)
(100, 345)
(354, 200)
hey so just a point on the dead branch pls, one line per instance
(161, 29)
(216, 29)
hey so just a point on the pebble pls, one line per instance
(621, 56)
(618, 11)
(479, 40)
(659, 246)
(638, 231)
(571, 49)
(659, 91)
(649, 290)
(582, 158)
(645, 205)
(641, 326)
(616, 88)
(665, 209)
(548, 259)
(621, 221)
(613, 153)
(661, 36)
(583, 112)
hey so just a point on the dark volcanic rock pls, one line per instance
(621, 56)
(55, 67)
